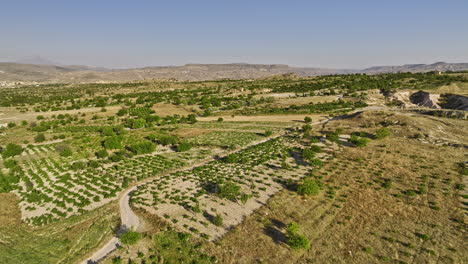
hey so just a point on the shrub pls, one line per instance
(308, 187)
(382, 133)
(268, 133)
(184, 146)
(64, 150)
(333, 136)
(359, 141)
(79, 165)
(11, 124)
(138, 123)
(307, 119)
(143, 147)
(164, 139)
(93, 164)
(130, 238)
(295, 240)
(220, 119)
(39, 138)
(228, 190)
(218, 220)
(116, 260)
(308, 154)
(12, 150)
(10, 163)
(122, 112)
(316, 162)
(108, 131)
(316, 148)
(293, 227)
(102, 154)
(192, 119)
(113, 142)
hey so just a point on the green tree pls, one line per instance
(130, 238)
(113, 142)
(184, 146)
(143, 147)
(12, 150)
(102, 154)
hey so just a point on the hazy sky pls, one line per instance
(326, 33)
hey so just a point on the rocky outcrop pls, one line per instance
(425, 99)
(454, 101)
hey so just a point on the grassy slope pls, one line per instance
(362, 213)
(64, 242)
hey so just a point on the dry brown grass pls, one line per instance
(10, 213)
(363, 214)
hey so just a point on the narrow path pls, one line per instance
(130, 220)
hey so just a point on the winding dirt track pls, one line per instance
(130, 220)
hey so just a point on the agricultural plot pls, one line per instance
(51, 189)
(225, 139)
(208, 200)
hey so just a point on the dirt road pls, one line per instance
(130, 220)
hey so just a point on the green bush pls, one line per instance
(268, 133)
(359, 141)
(164, 139)
(108, 131)
(113, 142)
(12, 150)
(64, 150)
(184, 146)
(316, 148)
(228, 190)
(143, 147)
(78, 165)
(130, 238)
(307, 119)
(102, 154)
(333, 136)
(39, 138)
(10, 163)
(93, 164)
(308, 154)
(382, 133)
(308, 187)
(218, 220)
(295, 240)
(316, 162)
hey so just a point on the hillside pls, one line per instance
(18, 72)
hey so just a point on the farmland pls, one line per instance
(272, 170)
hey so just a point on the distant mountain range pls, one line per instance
(44, 72)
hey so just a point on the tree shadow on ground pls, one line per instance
(273, 230)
